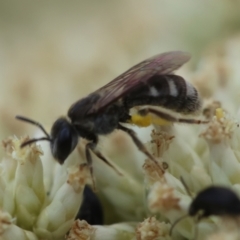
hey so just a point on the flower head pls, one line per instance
(30, 209)
(39, 198)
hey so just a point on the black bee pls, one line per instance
(150, 82)
(91, 208)
(214, 200)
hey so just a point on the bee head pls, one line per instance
(63, 138)
(193, 209)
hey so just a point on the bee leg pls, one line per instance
(99, 155)
(92, 146)
(169, 117)
(89, 163)
(139, 144)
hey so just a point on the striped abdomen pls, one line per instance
(169, 91)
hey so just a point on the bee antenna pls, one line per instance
(176, 222)
(184, 216)
(34, 140)
(24, 119)
(186, 187)
(196, 229)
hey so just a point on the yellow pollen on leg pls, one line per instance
(145, 121)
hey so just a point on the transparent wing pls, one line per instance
(161, 64)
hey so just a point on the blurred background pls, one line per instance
(53, 53)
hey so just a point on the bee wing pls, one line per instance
(160, 64)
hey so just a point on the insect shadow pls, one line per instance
(213, 200)
(150, 82)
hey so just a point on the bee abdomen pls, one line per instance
(168, 91)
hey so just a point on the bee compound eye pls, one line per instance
(64, 141)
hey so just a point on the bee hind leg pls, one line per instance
(169, 117)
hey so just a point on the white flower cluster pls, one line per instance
(202, 155)
(28, 208)
(39, 199)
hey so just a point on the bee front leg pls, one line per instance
(89, 162)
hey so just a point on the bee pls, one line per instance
(91, 209)
(150, 82)
(214, 200)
